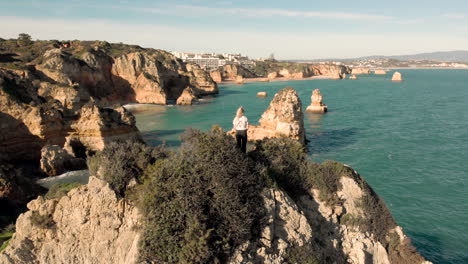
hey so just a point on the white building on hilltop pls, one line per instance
(214, 60)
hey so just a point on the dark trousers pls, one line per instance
(241, 138)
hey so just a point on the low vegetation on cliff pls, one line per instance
(202, 202)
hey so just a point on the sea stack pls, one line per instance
(397, 77)
(283, 118)
(316, 105)
(239, 79)
(186, 98)
(353, 77)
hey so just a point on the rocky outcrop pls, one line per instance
(30, 121)
(216, 76)
(55, 160)
(286, 227)
(96, 127)
(88, 225)
(230, 72)
(316, 105)
(186, 98)
(346, 232)
(239, 79)
(283, 118)
(397, 77)
(357, 71)
(262, 94)
(272, 75)
(330, 70)
(91, 225)
(380, 72)
(144, 76)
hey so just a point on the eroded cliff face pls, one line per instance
(88, 225)
(230, 72)
(29, 121)
(143, 76)
(283, 118)
(91, 225)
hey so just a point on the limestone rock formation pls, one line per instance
(286, 226)
(331, 70)
(143, 76)
(357, 71)
(239, 79)
(97, 126)
(186, 98)
(216, 76)
(353, 77)
(283, 118)
(231, 71)
(262, 94)
(316, 105)
(380, 72)
(88, 225)
(30, 122)
(91, 225)
(397, 77)
(272, 75)
(53, 159)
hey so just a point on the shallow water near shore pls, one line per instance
(409, 140)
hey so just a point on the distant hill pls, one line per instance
(446, 56)
(452, 56)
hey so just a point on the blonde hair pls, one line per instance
(240, 112)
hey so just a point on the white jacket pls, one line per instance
(240, 123)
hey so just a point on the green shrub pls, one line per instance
(286, 163)
(304, 254)
(42, 221)
(60, 189)
(120, 162)
(5, 237)
(201, 202)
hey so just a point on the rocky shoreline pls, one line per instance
(64, 107)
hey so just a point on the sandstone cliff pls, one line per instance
(230, 72)
(30, 121)
(88, 225)
(356, 71)
(91, 225)
(283, 118)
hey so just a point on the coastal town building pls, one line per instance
(214, 60)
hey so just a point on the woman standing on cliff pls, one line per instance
(241, 125)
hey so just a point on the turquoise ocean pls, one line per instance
(409, 140)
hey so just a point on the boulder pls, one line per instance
(239, 79)
(397, 77)
(186, 98)
(53, 159)
(316, 105)
(262, 94)
(272, 75)
(283, 118)
(353, 77)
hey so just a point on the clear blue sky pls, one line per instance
(289, 29)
